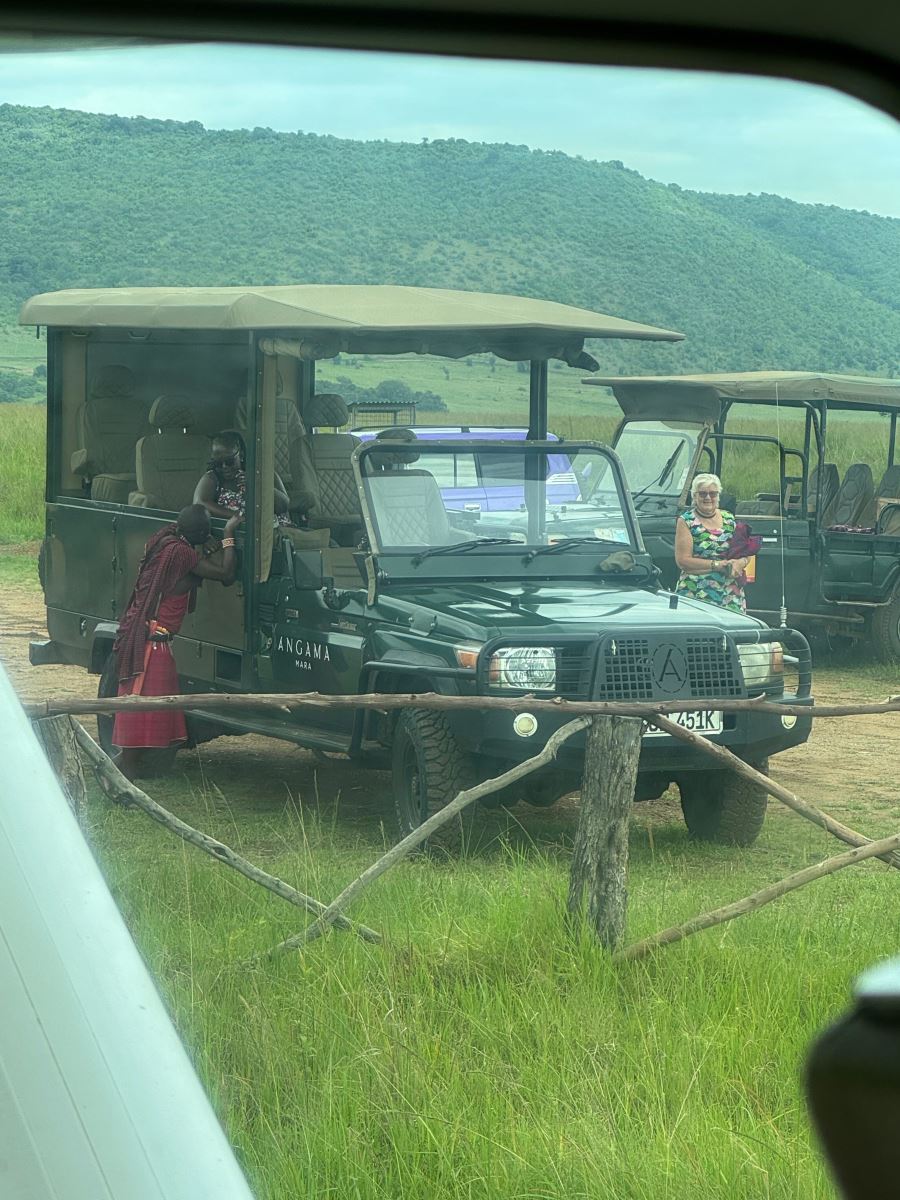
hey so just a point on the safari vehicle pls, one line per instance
(388, 587)
(830, 552)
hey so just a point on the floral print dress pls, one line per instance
(713, 587)
(236, 497)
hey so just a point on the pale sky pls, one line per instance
(713, 133)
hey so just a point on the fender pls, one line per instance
(101, 645)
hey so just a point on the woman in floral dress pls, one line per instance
(703, 536)
(223, 489)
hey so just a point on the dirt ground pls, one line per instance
(848, 767)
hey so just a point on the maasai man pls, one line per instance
(168, 576)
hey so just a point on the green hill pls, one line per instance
(754, 282)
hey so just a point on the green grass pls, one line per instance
(22, 433)
(481, 1052)
(19, 569)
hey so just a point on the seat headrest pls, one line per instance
(112, 382)
(398, 443)
(326, 409)
(172, 412)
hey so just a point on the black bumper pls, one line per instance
(752, 736)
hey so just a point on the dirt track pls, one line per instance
(849, 766)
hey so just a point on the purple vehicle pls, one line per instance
(477, 481)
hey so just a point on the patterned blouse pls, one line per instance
(713, 587)
(235, 496)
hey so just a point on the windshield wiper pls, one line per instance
(462, 547)
(556, 547)
(662, 476)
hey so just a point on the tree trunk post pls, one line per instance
(57, 736)
(600, 857)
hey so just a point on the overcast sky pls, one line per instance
(708, 132)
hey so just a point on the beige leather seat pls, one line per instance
(409, 510)
(289, 448)
(109, 423)
(326, 475)
(169, 461)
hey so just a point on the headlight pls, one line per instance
(762, 664)
(530, 668)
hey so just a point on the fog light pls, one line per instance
(525, 724)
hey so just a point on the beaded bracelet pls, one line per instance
(227, 542)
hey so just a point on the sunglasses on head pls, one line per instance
(228, 461)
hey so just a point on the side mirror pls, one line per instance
(307, 570)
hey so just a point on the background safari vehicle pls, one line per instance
(389, 588)
(810, 463)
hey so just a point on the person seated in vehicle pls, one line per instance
(222, 489)
(704, 537)
(171, 570)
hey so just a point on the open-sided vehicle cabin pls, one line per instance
(808, 460)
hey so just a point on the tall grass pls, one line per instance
(22, 433)
(481, 1052)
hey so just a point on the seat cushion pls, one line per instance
(114, 489)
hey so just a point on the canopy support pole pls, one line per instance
(537, 404)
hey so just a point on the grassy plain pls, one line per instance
(480, 1052)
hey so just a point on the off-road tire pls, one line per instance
(884, 630)
(428, 770)
(721, 806)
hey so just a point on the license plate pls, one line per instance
(704, 723)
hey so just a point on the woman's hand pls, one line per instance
(233, 523)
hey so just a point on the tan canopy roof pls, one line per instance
(344, 317)
(666, 394)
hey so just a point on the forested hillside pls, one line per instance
(754, 282)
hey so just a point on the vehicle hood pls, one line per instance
(488, 610)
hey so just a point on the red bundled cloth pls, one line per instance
(144, 662)
(743, 544)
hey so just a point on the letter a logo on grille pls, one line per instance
(669, 668)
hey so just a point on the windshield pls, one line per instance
(445, 495)
(657, 455)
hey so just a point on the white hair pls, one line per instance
(705, 480)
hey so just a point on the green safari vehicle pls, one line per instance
(810, 462)
(387, 582)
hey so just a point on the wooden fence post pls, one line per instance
(600, 857)
(57, 736)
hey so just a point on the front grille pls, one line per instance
(624, 670)
(712, 670)
(692, 667)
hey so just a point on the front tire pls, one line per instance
(721, 806)
(884, 629)
(429, 769)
